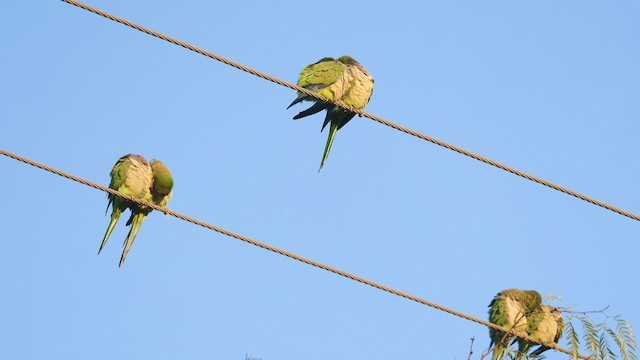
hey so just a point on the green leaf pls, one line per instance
(573, 338)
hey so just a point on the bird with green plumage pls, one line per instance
(133, 175)
(509, 309)
(343, 80)
(546, 326)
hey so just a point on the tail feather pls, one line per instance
(317, 107)
(136, 221)
(327, 119)
(115, 215)
(297, 100)
(346, 119)
(108, 204)
(539, 351)
(332, 134)
(342, 117)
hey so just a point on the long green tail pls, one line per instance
(332, 134)
(115, 215)
(498, 352)
(136, 221)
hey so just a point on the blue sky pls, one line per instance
(548, 87)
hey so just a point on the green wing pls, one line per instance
(118, 175)
(498, 314)
(322, 77)
(327, 77)
(509, 309)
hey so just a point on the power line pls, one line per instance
(359, 112)
(283, 252)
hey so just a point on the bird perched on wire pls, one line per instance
(510, 309)
(133, 175)
(546, 326)
(342, 79)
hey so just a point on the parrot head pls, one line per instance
(533, 299)
(324, 59)
(162, 179)
(348, 60)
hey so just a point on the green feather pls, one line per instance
(332, 134)
(323, 78)
(137, 217)
(115, 215)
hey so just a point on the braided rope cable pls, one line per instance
(282, 252)
(359, 112)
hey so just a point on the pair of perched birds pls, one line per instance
(523, 311)
(133, 175)
(343, 80)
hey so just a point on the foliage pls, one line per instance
(601, 341)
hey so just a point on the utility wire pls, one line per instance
(284, 252)
(359, 112)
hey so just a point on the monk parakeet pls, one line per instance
(133, 175)
(510, 309)
(545, 325)
(343, 79)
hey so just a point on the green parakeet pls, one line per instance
(545, 325)
(133, 175)
(343, 79)
(510, 309)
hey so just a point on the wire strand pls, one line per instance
(359, 112)
(280, 251)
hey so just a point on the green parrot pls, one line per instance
(545, 325)
(133, 175)
(509, 309)
(343, 79)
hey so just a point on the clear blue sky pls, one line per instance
(548, 87)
